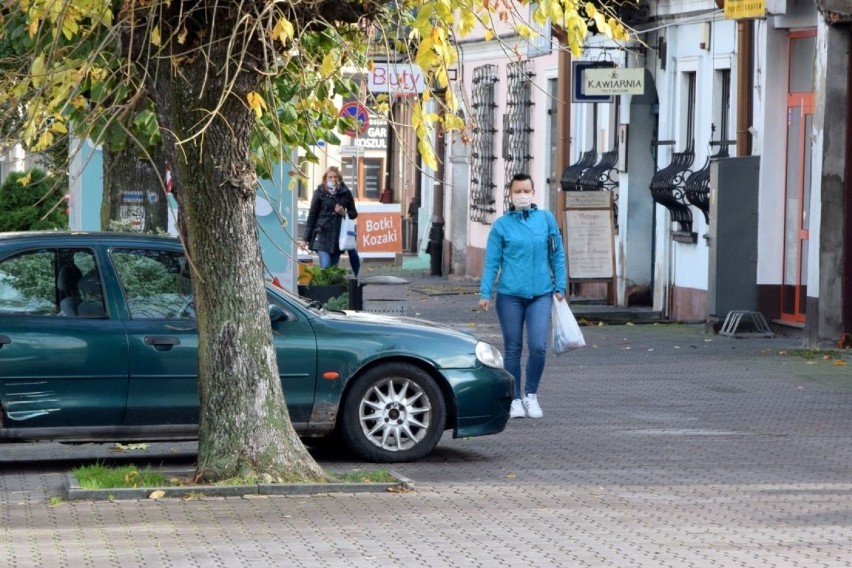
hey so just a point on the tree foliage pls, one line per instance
(69, 63)
(31, 201)
(228, 88)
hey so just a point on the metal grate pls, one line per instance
(517, 123)
(482, 157)
(668, 184)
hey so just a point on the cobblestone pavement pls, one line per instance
(661, 446)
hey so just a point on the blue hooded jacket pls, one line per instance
(519, 248)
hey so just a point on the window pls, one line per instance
(364, 177)
(27, 284)
(156, 283)
(51, 282)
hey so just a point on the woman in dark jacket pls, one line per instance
(331, 201)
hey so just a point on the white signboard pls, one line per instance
(614, 81)
(589, 235)
(350, 150)
(402, 79)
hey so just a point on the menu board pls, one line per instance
(589, 234)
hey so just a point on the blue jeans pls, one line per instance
(513, 312)
(327, 259)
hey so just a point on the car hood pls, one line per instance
(397, 322)
(376, 335)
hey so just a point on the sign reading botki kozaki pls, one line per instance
(379, 232)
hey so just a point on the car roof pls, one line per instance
(87, 236)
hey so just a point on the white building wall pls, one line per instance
(678, 264)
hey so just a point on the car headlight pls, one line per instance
(489, 355)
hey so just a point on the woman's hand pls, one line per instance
(483, 303)
(302, 244)
(340, 209)
(559, 296)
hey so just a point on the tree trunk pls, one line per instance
(245, 426)
(133, 191)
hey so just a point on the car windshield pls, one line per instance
(296, 299)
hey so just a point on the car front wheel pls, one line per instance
(394, 413)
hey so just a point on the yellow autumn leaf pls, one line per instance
(155, 36)
(555, 12)
(257, 104)
(58, 126)
(839, 363)
(524, 30)
(467, 23)
(283, 31)
(24, 180)
(603, 27)
(182, 36)
(427, 154)
(44, 141)
(489, 35)
(328, 64)
(591, 10)
(69, 28)
(98, 73)
(32, 29)
(37, 71)
(157, 494)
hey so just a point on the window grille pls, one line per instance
(482, 155)
(517, 123)
(698, 186)
(668, 184)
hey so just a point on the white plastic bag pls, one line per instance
(566, 331)
(348, 234)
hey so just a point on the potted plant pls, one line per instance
(322, 284)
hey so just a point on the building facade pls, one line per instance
(728, 172)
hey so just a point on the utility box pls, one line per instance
(732, 235)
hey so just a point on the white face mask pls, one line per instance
(522, 200)
(332, 186)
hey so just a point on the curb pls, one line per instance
(74, 492)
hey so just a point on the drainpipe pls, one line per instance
(745, 85)
(436, 231)
(563, 120)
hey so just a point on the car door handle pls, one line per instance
(162, 342)
(4, 340)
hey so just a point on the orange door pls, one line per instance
(800, 110)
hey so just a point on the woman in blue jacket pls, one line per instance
(524, 255)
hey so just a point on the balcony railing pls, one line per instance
(668, 188)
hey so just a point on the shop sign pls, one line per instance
(403, 79)
(379, 232)
(614, 81)
(742, 9)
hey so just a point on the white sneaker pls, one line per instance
(531, 404)
(517, 409)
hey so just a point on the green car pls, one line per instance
(98, 343)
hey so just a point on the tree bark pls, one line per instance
(245, 428)
(133, 190)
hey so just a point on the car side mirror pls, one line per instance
(276, 314)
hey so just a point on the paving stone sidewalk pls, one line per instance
(661, 446)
